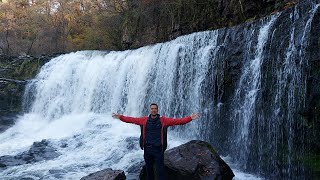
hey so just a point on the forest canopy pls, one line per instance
(34, 27)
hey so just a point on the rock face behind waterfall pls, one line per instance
(14, 74)
(194, 160)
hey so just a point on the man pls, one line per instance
(152, 140)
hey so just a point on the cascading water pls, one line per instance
(247, 82)
(71, 100)
(248, 87)
(270, 93)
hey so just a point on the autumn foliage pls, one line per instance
(58, 26)
(33, 27)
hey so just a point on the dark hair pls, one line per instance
(154, 104)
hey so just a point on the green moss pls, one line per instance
(316, 66)
(11, 86)
(27, 69)
(251, 19)
(313, 161)
(209, 147)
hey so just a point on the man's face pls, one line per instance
(153, 110)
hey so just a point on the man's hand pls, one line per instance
(116, 115)
(195, 116)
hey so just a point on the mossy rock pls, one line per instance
(13, 72)
(28, 68)
(206, 144)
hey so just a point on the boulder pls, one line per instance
(39, 151)
(106, 174)
(194, 160)
(133, 172)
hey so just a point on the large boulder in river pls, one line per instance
(194, 160)
(39, 151)
(106, 174)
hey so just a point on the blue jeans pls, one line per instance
(154, 155)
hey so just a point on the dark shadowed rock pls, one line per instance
(194, 160)
(42, 151)
(136, 167)
(107, 174)
(39, 151)
(10, 161)
(7, 121)
(134, 171)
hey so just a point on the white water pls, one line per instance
(248, 88)
(74, 96)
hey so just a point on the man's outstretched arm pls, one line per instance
(127, 119)
(180, 121)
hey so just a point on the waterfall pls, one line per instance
(249, 85)
(270, 92)
(248, 82)
(71, 100)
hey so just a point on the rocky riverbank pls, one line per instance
(195, 160)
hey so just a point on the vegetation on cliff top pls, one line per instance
(57, 26)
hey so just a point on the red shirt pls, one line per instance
(165, 121)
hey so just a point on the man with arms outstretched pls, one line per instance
(153, 141)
